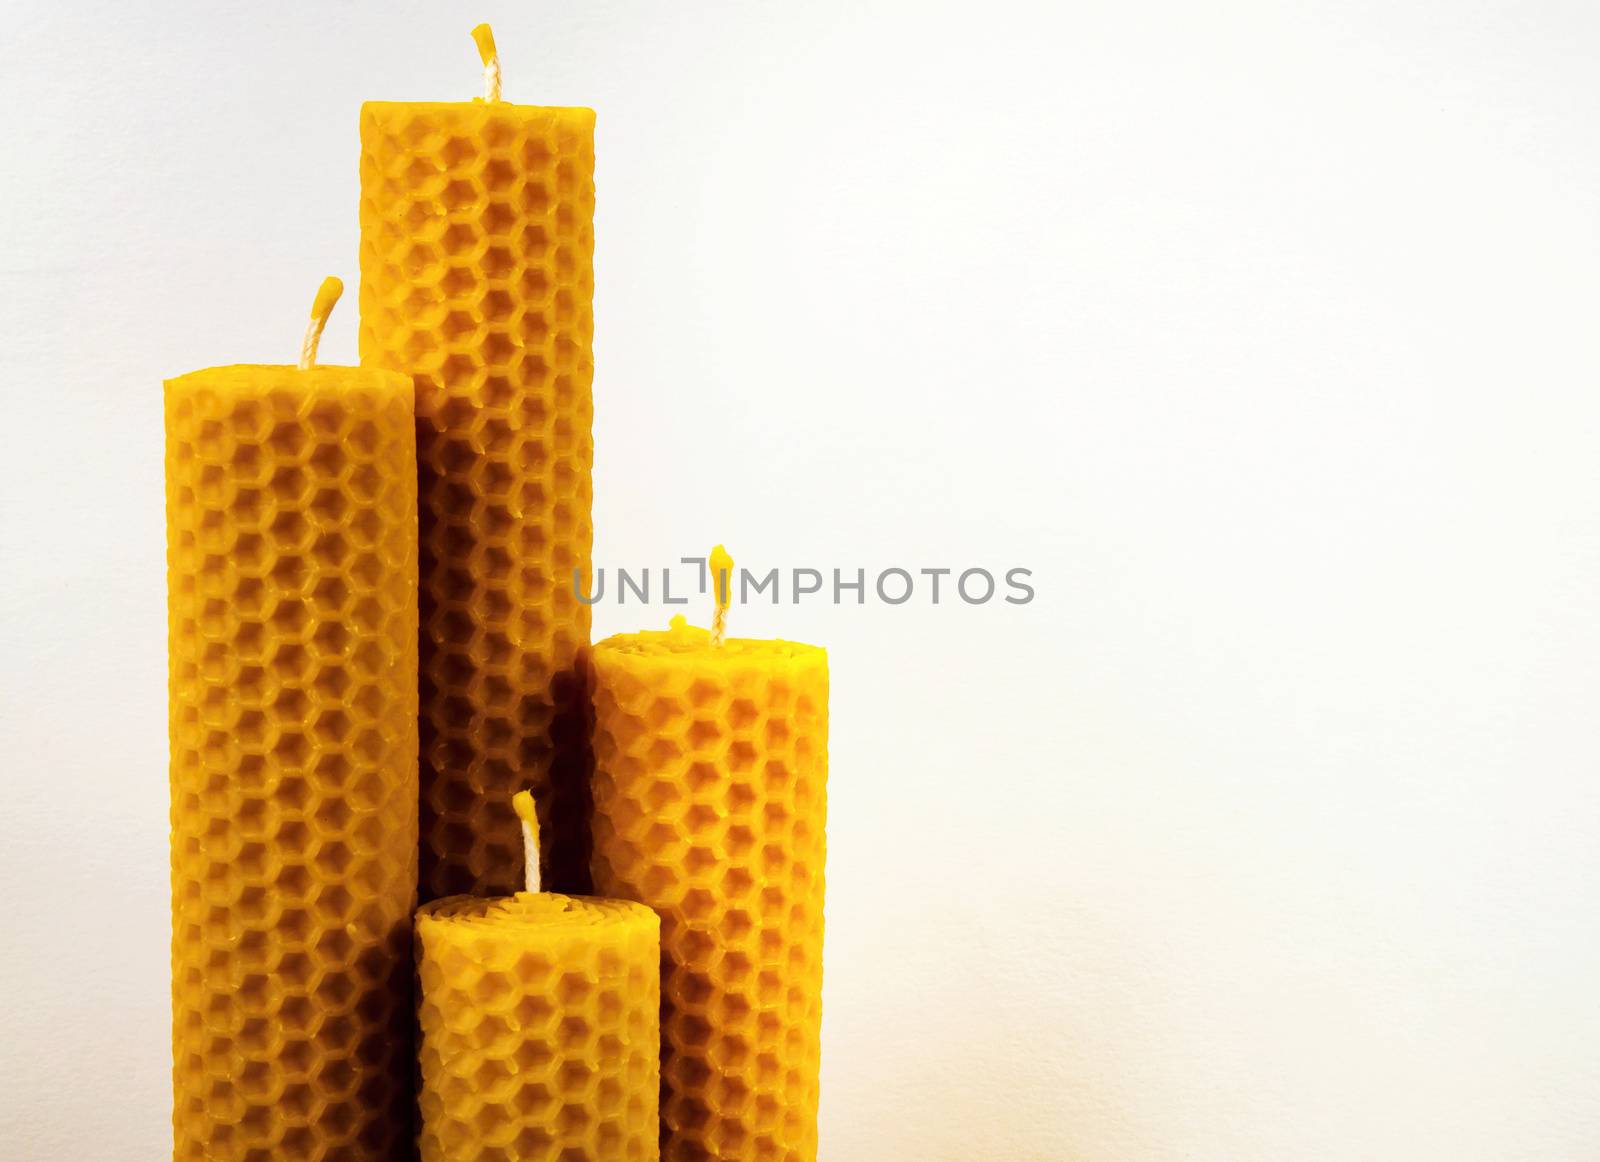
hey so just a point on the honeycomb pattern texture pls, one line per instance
(477, 236)
(710, 802)
(540, 1029)
(292, 548)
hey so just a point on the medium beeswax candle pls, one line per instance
(710, 799)
(292, 547)
(540, 1025)
(476, 279)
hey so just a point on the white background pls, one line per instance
(1264, 334)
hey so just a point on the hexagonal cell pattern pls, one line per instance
(540, 1029)
(477, 280)
(292, 548)
(710, 799)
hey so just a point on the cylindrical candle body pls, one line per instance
(477, 280)
(540, 1029)
(292, 548)
(710, 800)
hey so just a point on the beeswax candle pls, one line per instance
(476, 280)
(540, 1025)
(710, 800)
(292, 546)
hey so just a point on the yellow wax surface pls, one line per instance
(540, 1029)
(710, 803)
(477, 235)
(292, 546)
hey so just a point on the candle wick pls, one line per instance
(721, 586)
(483, 37)
(522, 804)
(321, 307)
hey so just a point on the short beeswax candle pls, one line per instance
(710, 799)
(292, 547)
(540, 1025)
(477, 235)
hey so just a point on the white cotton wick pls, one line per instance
(522, 804)
(321, 307)
(721, 592)
(491, 79)
(484, 39)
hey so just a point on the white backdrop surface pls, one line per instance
(1264, 334)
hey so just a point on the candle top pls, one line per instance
(682, 639)
(308, 376)
(254, 379)
(548, 912)
(491, 100)
(685, 639)
(578, 118)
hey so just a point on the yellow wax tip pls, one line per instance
(483, 37)
(327, 295)
(522, 804)
(721, 576)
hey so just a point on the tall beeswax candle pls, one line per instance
(540, 1026)
(710, 801)
(476, 279)
(292, 548)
